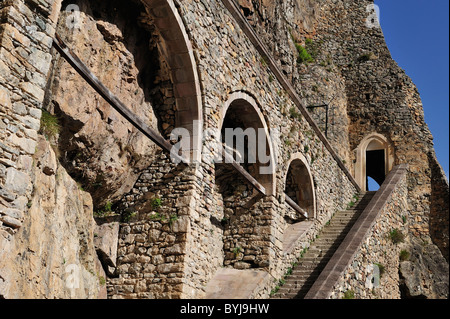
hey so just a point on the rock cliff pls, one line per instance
(53, 253)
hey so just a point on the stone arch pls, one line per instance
(155, 75)
(250, 112)
(246, 216)
(299, 184)
(374, 158)
(175, 46)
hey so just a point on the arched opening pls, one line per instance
(300, 188)
(246, 220)
(300, 201)
(141, 52)
(374, 160)
(176, 48)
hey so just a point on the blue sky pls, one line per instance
(417, 34)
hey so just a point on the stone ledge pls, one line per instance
(234, 284)
(293, 234)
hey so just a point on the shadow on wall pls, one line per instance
(439, 210)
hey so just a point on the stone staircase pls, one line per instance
(321, 250)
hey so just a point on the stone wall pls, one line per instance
(240, 68)
(379, 258)
(372, 93)
(153, 234)
(25, 35)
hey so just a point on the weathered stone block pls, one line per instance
(17, 182)
(105, 240)
(12, 222)
(13, 213)
(33, 90)
(5, 100)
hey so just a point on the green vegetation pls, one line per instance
(396, 236)
(173, 219)
(349, 294)
(105, 211)
(404, 219)
(307, 53)
(156, 203)
(404, 255)
(50, 126)
(381, 268)
(263, 61)
(127, 216)
(237, 251)
(295, 114)
(303, 55)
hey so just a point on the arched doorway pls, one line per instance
(374, 160)
(299, 186)
(241, 115)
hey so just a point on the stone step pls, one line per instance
(293, 294)
(313, 260)
(332, 234)
(324, 247)
(329, 237)
(343, 219)
(322, 253)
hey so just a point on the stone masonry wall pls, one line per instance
(174, 235)
(25, 35)
(153, 234)
(372, 94)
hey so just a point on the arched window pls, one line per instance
(374, 159)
